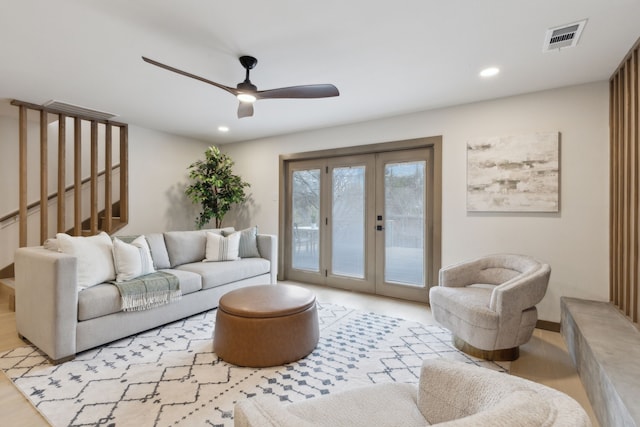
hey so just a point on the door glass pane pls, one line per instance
(348, 219)
(404, 193)
(306, 208)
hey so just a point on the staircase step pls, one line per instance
(8, 285)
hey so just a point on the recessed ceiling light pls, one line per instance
(489, 72)
(223, 129)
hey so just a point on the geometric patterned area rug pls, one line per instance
(170, 376)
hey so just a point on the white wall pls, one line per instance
(574, 241)
(158, 176)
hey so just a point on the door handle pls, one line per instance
(379, 227)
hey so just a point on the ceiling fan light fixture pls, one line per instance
(246, 97)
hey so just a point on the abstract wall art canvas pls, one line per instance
(518, 173)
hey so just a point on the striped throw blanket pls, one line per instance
(149, 291)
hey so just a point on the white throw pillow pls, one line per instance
(94, 256)
(51, 245)
(132, 259)
(221, 248)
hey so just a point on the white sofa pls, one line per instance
(450, 393)
(61, 320)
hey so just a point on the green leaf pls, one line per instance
(214, 186)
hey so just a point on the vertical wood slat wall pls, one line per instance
(624, 233)
(93, 194)
(22, 204)
(62, 191)
(62, 172)
(44, 176)
(108, 214)
(124, 177)
(77, 173)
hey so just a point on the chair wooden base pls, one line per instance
(502, 355)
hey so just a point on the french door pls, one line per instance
(361, 222)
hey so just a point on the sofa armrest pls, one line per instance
(268, 248)
(454, 394)
(47, 300)
(521, 292)
(459, 275)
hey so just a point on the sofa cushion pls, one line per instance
(104, 299)
(468, 307)
(97, 301)
(184, 247)
(220, 273)
(386, 404)
(389, 404)
(158, 250)
(189, 282)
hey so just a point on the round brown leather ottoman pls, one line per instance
(266, 325)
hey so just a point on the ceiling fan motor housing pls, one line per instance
(248, 62)
(247, 85)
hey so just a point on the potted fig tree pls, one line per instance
(215, 187)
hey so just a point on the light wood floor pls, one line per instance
(544, 359)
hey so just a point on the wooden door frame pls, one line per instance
(433, 142)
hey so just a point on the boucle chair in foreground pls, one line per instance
(450, 393)
(489, 303)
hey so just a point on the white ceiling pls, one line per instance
(386, 58)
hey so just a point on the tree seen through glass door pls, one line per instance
(348, 221)
(404, 185)
(305, 212)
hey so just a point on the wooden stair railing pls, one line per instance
(33, 205)
(70, 138)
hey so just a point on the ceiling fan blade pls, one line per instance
(306, 91)
(245, 109)
(231, 90)
(248, 90)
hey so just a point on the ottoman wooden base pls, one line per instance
(266, 325)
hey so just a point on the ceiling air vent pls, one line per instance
(76, 110)
(564, 36)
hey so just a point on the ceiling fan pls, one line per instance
(247, 93)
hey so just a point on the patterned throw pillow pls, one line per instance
(248, 242)
(132, 259)
(221, 248)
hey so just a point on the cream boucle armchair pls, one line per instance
(489, 303)
(450, 393)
